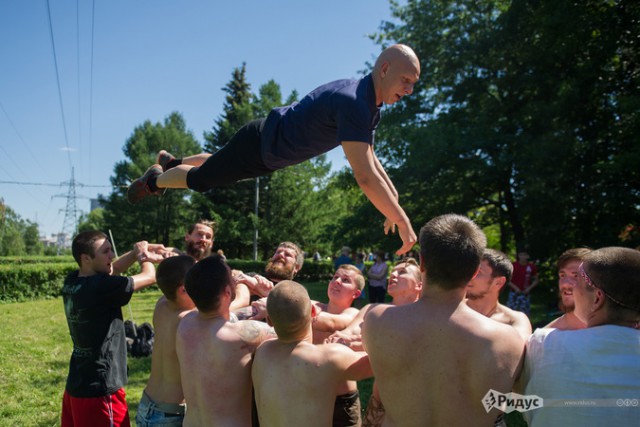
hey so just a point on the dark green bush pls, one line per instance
(21, 282)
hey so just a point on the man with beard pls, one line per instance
(199, 239)
(484, 289)
(283, 265)
(568, 264)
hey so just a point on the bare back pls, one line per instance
(215, 360)
(164, 383)
(296, 383)
(435, 362)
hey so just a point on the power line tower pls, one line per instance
(70, 223)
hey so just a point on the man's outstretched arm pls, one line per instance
(363, 162)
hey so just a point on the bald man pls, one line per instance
(295, 380)
(342, 112)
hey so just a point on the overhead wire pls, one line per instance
(55, 60)
(93, 16)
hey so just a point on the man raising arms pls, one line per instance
(162, 402)
(452, 354)
(214, 354)
(295, 380)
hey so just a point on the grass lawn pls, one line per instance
(35, 349)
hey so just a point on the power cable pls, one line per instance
(58, 185)
(55, 60)
(93, 18)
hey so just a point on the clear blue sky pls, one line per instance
(150, 57)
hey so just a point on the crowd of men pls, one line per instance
(242, 349)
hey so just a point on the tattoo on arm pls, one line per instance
(254, 333)
(244, 313)
(374, 416)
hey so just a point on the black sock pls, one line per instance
(173, 163)
(151, 183)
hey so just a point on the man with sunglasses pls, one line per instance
(591, 377)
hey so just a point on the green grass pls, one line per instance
(35, 349)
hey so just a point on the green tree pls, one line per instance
(94, 220)
(525, 117)
(231, 205)
(154, 219)
(11, 232)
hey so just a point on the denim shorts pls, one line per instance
(151, 413)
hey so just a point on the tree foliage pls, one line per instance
(154, 219)
(17, 236)
(525, 117)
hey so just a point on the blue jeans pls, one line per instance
(153, 414)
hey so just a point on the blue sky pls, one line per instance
(149, 58)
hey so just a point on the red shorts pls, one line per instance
(107, 411)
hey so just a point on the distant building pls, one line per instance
(95, 204)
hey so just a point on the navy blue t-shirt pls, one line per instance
(342, 110)
(98, 365)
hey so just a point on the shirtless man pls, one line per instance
(295, 380)
(405, 287)
(338, 313)
(435, 360)
(568, 264)
(344, 288)
(215, 354)
(484, 289)
(162, 402)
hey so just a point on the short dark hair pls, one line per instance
(84, 243)
(616, 271)
(500, 264)
(206, 281)
(451, 247)
(171, 272)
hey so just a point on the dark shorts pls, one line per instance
(346, 412)
(239, 159)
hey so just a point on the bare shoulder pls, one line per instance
(375, 311)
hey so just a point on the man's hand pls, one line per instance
(352, 341)
(259, 309)
(389, 226)
(257, 284)
(408, 237)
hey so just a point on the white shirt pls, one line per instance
(586, 377)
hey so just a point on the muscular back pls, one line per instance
(215, 360)
(164, 381)
(434, 363)
(296, 384)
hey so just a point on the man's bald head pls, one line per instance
(395, 72)
(289, 308)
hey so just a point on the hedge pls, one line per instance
(21, 282)
(36, 259)
(28, 278)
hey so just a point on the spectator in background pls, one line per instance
(344, 258)
(525, 278)
(377, 275)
